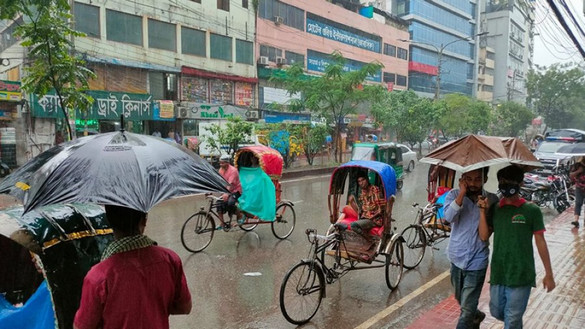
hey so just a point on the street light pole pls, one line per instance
(440, 57)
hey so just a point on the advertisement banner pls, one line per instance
(157, 112)
(190, 110)
(166, 109)
(244, 94)
(317, 61)
(349, 38)
(10, 91)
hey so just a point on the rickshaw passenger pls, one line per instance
(258, 192)
(371, 212)
(231, 175)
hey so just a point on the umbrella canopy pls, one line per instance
(577, 149)
(473, 152)
(118, 168)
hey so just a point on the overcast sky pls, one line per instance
(552, 44)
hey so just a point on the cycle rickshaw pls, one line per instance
(340, 251)
(255, 161)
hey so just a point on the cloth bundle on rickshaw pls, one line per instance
(260, 169)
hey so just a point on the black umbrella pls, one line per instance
(119, 168)
(577, 149)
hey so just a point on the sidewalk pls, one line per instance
(564, 307)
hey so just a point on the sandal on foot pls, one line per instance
(575, 223)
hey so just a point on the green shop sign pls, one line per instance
(106, 106)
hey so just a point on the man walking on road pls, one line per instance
(137, 284)
(467, 252)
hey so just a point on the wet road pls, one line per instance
(228, 292)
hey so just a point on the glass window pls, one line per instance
(245, 4)
(87, 19)
(402, 53)
(293, 58)
(223, 5)
(122, 27)
(292, 16)
(221, 47)
(400, 80)
(193, 42)
(389, 50)
(162, 35)
(270, 52)
(389, 77)
(244, 52)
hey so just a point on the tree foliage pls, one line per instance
(48, 35)
(459, 115)
(334, 94)
(558, 94)
(229, 137)
(510, 118)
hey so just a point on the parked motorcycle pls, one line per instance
(554, 189)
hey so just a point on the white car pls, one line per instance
(409, 157)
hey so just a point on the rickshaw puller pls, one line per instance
(231, 175)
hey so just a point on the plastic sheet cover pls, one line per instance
(258, 193)
(36, 313)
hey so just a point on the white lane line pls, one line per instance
(299, 201)
(403, 301)
(305, 178)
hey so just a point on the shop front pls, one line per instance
(10, 98)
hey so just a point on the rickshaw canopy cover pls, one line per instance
(385, 171)
(473, 152)
(270, 160)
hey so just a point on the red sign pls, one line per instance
(9, 86)
(424, 68)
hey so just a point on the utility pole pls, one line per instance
(438, 79)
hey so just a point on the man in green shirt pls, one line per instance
(514, 222)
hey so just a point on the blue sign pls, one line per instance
(349, 38)
(317, 61)
(280, 117)
(156, 113)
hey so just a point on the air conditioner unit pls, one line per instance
(182, 113)
(278, 20)
(280, 61)
(263, 60)
(252, 114)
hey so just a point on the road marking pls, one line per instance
(403, 301)
(299, 201)
(305, 178)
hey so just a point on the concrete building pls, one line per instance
(307, 31)
(485, 74)
(162, 64)
(443, 35)
(510, 25)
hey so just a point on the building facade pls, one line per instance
(511, 36)
(443, 44)
(307, 32)
(485, 74)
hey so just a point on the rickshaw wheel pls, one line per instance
(197, 232)
(247, 227)
(394, 264)
(301, 292)
(285, 221)
(399, 184)
(415, 243)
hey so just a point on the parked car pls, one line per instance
(546, 153)
(409, 157)
(570, 135)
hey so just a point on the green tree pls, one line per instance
(48, 35)
(334, 94)
(557, 93)
(510, 118)
(460, 115)
(312, 140)
(229, 137)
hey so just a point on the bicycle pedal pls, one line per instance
(435, 248)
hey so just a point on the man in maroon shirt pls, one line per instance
(137, 284)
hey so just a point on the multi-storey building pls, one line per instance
(155, 58)
(510, 25)
(308, 31)
(443, 44)
(485, 74)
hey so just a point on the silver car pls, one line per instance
(409, 157)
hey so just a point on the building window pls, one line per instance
(122, 27)
(245, 4)
(400, 80)
(244, 52)
(221, 47)
(87, 19)
(402, 53)
(291, 16)
(193, 42)
(223, 5)
(389, 50)
(270, 52)
(162, 35)
(198, 1)
(294, 58)
(389, 77)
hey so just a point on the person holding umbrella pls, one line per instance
(467, 252)
(137, 284)
(514, 222)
